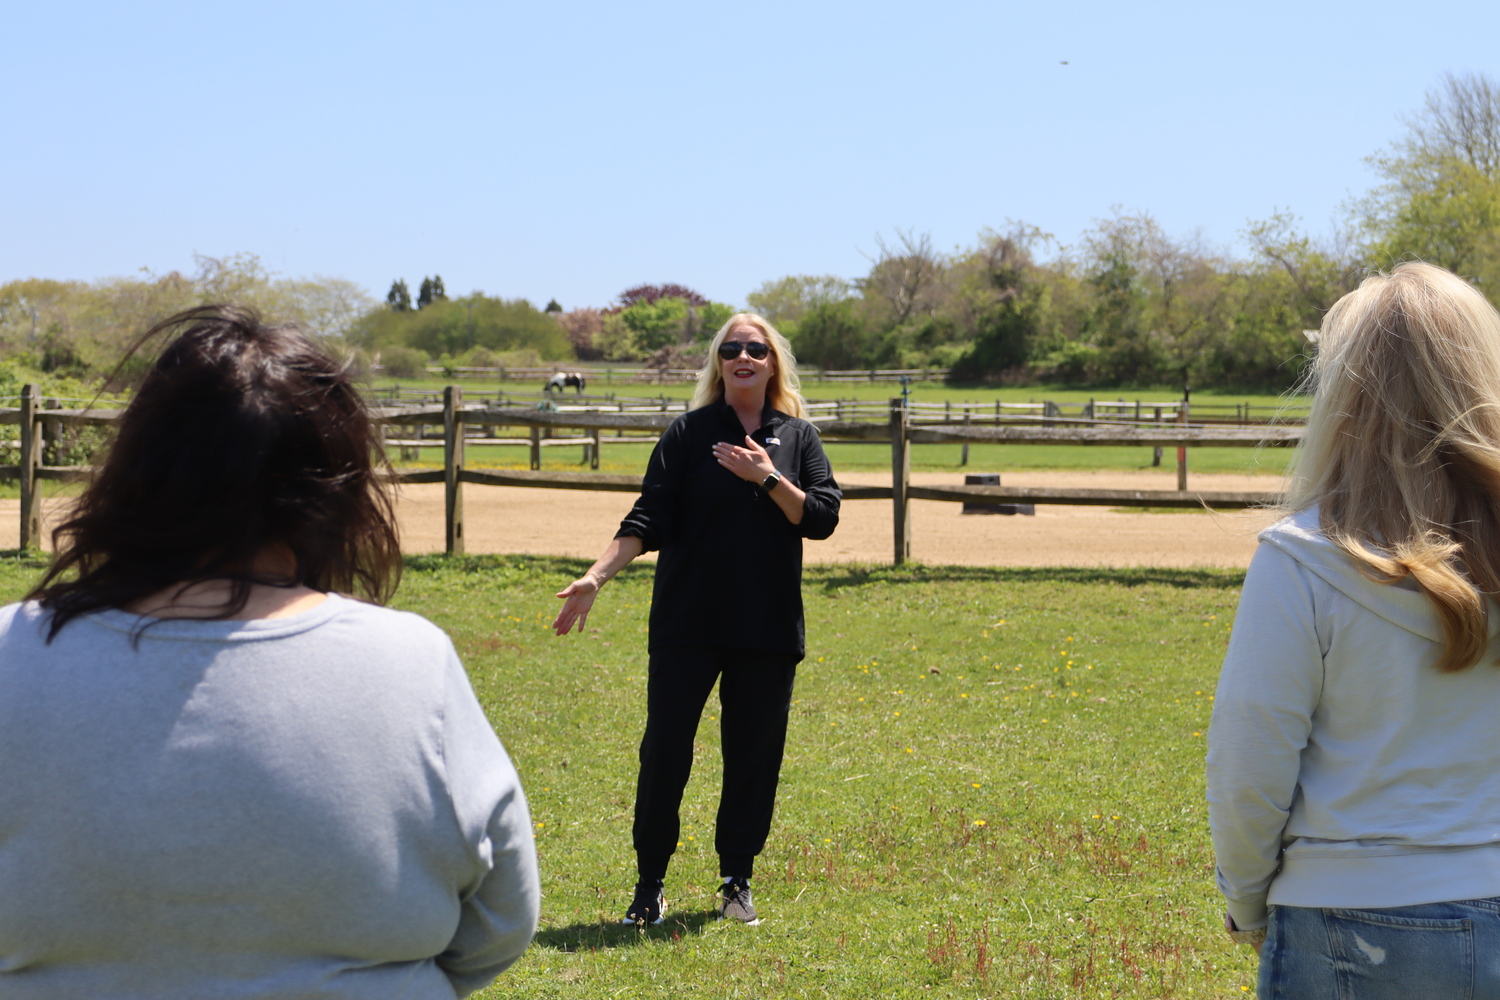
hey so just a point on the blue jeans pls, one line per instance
(1436, 951)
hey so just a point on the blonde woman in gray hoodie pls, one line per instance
(1354, 755)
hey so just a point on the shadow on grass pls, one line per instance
(832, 578)
(837, 576)
(598, 936)
(26, 558)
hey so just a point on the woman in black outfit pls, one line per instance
(733, 487)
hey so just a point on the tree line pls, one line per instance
(1128, 304)
(1125, 303)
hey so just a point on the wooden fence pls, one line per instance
(637, 373)
(465, 424)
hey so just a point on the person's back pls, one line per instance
(218, 778)
(291, 807)
(1353, 762)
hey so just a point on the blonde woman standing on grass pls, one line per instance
(733, 487)
(1354, 755)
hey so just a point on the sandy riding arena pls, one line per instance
(578, 523)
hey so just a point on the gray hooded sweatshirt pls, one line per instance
(1344, 770)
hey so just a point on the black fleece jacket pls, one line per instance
(730, 569)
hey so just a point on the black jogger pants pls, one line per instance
(755, 695)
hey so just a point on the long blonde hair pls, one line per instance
(1402, 448)
(783, 392)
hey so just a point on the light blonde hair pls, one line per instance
(784, 392)
(1402, 448)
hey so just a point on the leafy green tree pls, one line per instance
(1441, 198)
(398, 298)
(443, 328)
(787, 300)
(833, 335)
(669, 320)
(85, 327)
(431, 291)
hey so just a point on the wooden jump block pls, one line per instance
(992, 479)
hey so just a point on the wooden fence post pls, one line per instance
(900, 481)
(964, 460)
(536, 447)
(31, 460)
(1182, 418)
(453, 463)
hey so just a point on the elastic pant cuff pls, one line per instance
(731, 865)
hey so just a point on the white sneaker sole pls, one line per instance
(747, 923)
(626, 921)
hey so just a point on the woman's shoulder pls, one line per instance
(381, 621)
(1298, 525)
(22, 614)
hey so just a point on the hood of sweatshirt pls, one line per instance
(1403, 604)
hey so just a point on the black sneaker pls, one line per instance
(648, 907)
(735, 902)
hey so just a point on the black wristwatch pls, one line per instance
(769, 483)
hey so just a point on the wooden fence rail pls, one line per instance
(453, 416)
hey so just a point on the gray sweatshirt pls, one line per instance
(309, 807)
(1344, 770)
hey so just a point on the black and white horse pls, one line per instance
(564, 379)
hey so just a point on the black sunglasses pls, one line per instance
(730, 349)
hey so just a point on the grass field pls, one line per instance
(925, 392)
(993, 785)
(847, 457)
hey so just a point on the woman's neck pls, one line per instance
(208, 598)
(747, 405)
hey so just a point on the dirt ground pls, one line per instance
(578, 523)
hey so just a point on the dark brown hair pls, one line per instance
(240, 436)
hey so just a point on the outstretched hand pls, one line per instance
(578, 598)
(750, 462)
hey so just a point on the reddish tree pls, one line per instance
(650, 293)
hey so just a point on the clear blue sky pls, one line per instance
(574, 149)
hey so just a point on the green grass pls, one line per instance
(846, 457)
(10, 489)
(993, 785)
(925, 392)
